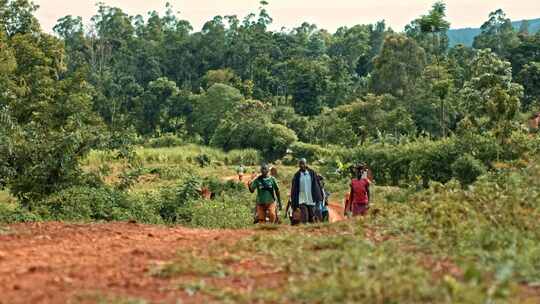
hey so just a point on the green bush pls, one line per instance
(224, 212)
(248, 157)
(272, 140)
(467, 169)
(425, 160)
(175, 203)
(87, 204)
(165, 141)
(310, 152)
(15, 214)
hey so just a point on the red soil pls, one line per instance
(56, 263)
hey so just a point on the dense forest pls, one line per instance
(406, 102)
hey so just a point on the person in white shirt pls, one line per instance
(306, 192)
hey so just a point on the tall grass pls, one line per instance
(179, 155)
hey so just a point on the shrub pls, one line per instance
(249, 157)
(15, 214)
(203, 160)
(86, 203)
(467, 169)
(175, 203)
(224, 212)
(168, 140)
(309, 151)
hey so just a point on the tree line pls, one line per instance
(238, 84)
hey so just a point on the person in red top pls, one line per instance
(359, 197)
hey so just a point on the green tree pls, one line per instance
(491, 100)
(156, 105)
(351, 45)
(433, 102)
(375, 115)
(398, 66)
(309, 83)
(249, 126)
(71, 30)
(211, 107)
(527, 51)
(330, 129)
(497, 34)
(223, 76)
(48, 124)
(529, 77)
(17, 17)
(459, 61)
(430, 30)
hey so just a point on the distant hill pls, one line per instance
(466, 36)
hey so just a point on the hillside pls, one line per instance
(466, 36)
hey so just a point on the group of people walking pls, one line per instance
(308, 199)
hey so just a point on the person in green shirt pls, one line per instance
(267, 196)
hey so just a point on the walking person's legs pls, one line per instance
(312, 214)
(261, 214)
(272, 216)
(304, 211)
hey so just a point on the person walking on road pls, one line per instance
(359, 196)
(267, 196)
(306, 192)
(325, 216)
(240, 170)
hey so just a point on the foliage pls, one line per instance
(490, 100)
(249, 127)
(497, 34)
(530, 78)
(95, 204)
(211, 107)
(175, 203)
(398, 66)
(47, 122)
(467, 169)
(310, 152)
(167, 140)
(224, 212)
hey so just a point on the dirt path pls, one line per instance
(336, 211)
(56, 263)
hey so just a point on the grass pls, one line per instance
(187, 263)
(6, 198)
(104, 298)
(445, 244)
(341, 263)
(186, 154)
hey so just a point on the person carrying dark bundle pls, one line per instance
(306, 192)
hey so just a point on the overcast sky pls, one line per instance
(328, 14)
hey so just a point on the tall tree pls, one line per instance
(398, 66)
(430, 30)
(497, 34)
(491, 100)
(529, 77)
(48, 125)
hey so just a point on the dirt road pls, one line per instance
(75, 263)
(60, 263)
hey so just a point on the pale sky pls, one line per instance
(328, 14)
